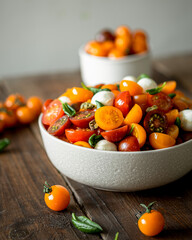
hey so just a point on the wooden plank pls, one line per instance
(24, 167)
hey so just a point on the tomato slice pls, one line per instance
(82, 119)
(161, 100)
(123, 102)
(46, 104)
(155, 121)
(53, 112)
(115, 135)
(78, 134)
(59, 126)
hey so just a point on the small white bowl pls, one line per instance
(118, 171)
(96, 70)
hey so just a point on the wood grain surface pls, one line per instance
(24, 167)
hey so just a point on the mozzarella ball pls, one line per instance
(147, 83)
(65, 99)
(186, 119)
(106, 146)
(104, 97)
(130, 78)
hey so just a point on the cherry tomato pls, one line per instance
(25, 115)
(155, 121)
(56, 197)
(161, 140)
(161, 100)
(151, 222)
(8, 117)
(75, 135)
(129, 144)
(115, 135)
(53, 112)
(35, 104)
(82, 119)
(123, 102)
(45, 105)
(59, 126)
(14, 101)
(104, 35)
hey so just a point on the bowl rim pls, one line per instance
(154, 151)
(129, 58)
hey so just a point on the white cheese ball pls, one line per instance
(104, 97)
(147, 83)
(64, 99)
(186, 119)
(106, 146)
(130, 78)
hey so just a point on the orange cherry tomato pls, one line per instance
(140, 133)
(77, 94)
(35, 104)
(56, 197)
(134, 115)
(116, 53)
(9, 118)
(25, 115)
(109, 86)
(96, 49)
(169, 87)
(172, 115)
(139, 46)
(139, 34)
(107, 46)
(115, 92)
(123, 44)
(82, 144)
(14, 101)
(132, 87)
(152, 222)
(123, 31)
(173, 131)
(161, 140)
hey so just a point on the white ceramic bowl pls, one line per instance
(118, 171)
(96, 70)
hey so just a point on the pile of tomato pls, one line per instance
(122, 116)
(16, 110)
(122, 42)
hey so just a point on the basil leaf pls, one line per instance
(94, 90)
(99, 104)
(142, 76)
(68, 110)
(118, 87)
(116, 236)
(4, 143)
(156, 90)
(84, 224)
(178, 122)
(94, 139)
(131, 130)
(171, 95)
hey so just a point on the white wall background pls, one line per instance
(38, 36)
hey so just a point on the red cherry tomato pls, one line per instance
(59, 126)
(155, 121)
(115, 135)
(129, 144)
(123, 102)
(161, 100)
(46, 104)
(75, 135)
(82, 119)
(53, 112)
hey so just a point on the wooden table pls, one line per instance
(24, 167)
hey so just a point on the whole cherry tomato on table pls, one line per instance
(25, 115)
(35, 104)
(14, 101)
(151, 222)
(56, 197)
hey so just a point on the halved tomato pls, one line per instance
(155, 121)
(78, 134)
(59, 126)
(46, 104)
(161, 100)
(115, 135)
(53, 112)
(123, 102)
(82, 119)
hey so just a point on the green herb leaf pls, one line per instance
(118, 87)
(94, 139)
(94, 90)
(151, 108)
(4, 143)
(142, 76)
(84, 224)
(171, 95)
(131, 130)
(68, 110)
(99, 104)
(156, 90)
(116, 236)
(178, 122)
